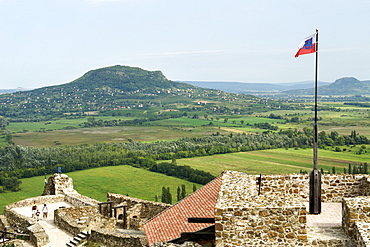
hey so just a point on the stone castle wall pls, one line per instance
(79, 200)
(138, 211)
(334, 187)
(277, 217)
(75, 219)
(59, 184)
(118, 238)
(103, 230)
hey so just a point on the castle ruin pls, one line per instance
(245, 211)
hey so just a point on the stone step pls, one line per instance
(78, 239)
(82, 235)
(70, 245)
(74, 242)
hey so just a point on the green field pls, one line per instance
(62, 123)
(275, 161)
(110, 134)
(95, 183)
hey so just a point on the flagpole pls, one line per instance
(315, 175)
(315, 160)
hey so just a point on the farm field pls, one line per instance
(95, 183)
(109, 134)
(54, 133)
(275, 161)
(55, 124)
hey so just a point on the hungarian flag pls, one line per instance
(308, 45)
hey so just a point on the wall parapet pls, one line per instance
(122, 239)
(79, 200)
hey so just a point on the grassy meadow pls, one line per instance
(95, 183)
(276, 161)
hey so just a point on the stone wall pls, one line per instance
(3, 223)
(59, 184)
(361, 234)
(334, 187)
(79, 200)
(243, 218)
(355, 210)
(75, 219)
(116, 238)
(277, 217)
(39, 200)
(38, 235)
(138, 211)
(103, 230)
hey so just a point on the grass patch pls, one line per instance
(110, 134)
(275, 161)
(95, 183)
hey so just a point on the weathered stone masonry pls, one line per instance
(277, 217)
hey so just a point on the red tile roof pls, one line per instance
(169, 224)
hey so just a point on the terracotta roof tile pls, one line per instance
(169, 224)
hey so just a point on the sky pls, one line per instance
(52, 42)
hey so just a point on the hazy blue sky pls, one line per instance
(48, 42)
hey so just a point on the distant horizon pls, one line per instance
(206, 81)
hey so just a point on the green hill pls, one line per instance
(121, 88)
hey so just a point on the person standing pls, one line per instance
(44, 212)
(34, 209)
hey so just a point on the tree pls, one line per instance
(178, 193)
(9, 139)
(166, 195)
(11, 183)
(183, 191)
(194, 187)
(350, 168)
(169, 196)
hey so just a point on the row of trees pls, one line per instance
(166, 196)
(360, 168)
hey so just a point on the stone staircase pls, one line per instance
(78, 239)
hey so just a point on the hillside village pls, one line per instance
(235, 209)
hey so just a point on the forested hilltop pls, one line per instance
(113, 90)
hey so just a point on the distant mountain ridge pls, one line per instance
(252, 88)
(342, 86)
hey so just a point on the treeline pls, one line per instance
(360, 168)
(92, 122)
(166, 196)
(22, 162)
